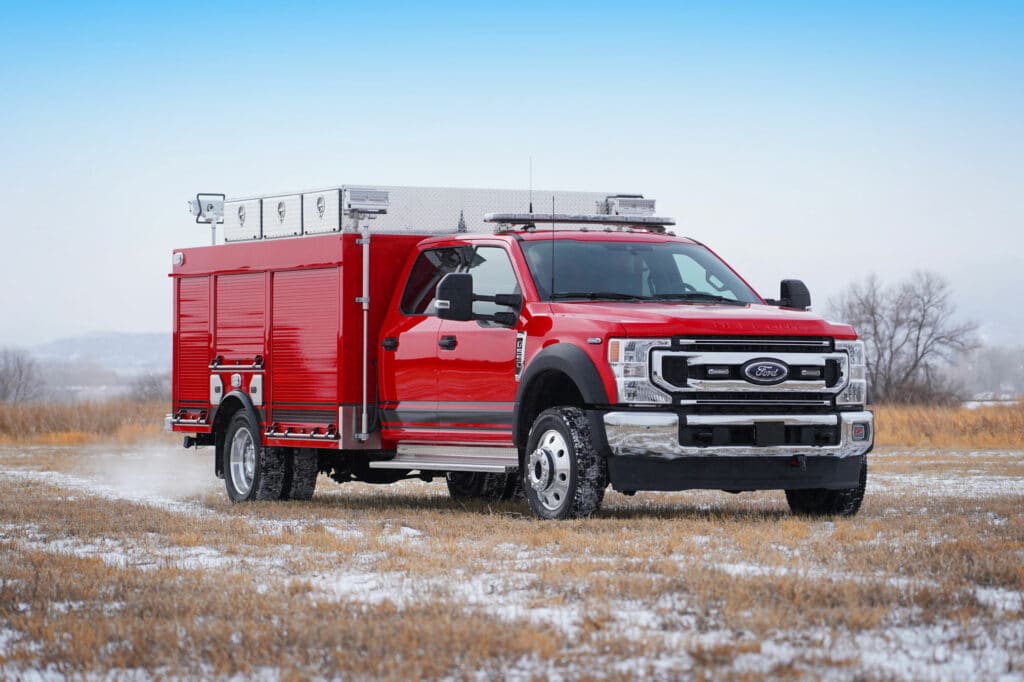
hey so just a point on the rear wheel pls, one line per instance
(564, 476)
(824, 502)
(301, 471)
(251, 471)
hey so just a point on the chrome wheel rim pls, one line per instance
(242, 461)
(549, 470)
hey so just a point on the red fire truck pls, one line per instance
(383, 333)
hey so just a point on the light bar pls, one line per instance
(578, 218)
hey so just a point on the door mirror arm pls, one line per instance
(455, 299)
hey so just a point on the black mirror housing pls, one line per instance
(455, 297)
(793, 293)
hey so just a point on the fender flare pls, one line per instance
(220, 426)
(569, 359)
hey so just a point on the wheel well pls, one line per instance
(227, 409)
(547, 389)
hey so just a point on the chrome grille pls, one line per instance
(706, 373)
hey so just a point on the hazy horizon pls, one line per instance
(796, 141)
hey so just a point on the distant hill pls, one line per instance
(124, 353)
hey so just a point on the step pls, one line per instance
(452, 458)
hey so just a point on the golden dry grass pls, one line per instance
(948, 427)
(401, 582)
(81, 423)
(127, 422)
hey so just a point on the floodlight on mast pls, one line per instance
(209, 209)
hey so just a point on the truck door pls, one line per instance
(476, 380)
(408, 357)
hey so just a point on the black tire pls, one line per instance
(563, 476)
(267, 464)
(824, 502)
(302, 468)
(474, 485)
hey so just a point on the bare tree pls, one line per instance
(910, 333)
(20, 380)
(151, 387)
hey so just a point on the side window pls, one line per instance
(427, 271)
(492, 274)
(490, 266)
(702, 280)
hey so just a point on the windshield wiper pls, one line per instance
(598, 295)
(697, 296)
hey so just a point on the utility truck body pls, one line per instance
(390, 333)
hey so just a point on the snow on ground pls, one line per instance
(505, 588)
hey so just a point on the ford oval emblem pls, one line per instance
(765, 372)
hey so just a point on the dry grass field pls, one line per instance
(80, 423)
(949, 427)
(127, 561)
(127, 422)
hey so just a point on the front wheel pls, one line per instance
(824, 502)
(563, 474)
(251, 471)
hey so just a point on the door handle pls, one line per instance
(390, 343)
(448, 342)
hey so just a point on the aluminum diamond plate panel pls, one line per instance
(412, 210)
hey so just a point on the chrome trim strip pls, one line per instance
(333, 435)
(751, 419)
(656, 434)
(452, 458)
(197, 420)
(747, 402)
(766, 341)
(236, 368)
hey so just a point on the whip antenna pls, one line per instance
(531, 184)
(552, 295)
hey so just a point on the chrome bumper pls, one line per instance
(656, 434)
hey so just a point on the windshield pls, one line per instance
(616, 270)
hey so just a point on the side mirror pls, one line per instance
(455, 297)
(794, 294)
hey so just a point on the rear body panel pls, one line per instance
(280, 322)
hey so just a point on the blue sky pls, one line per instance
(799, 140)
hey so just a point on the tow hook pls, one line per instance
(799, 461)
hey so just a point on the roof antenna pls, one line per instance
(531, 184)
(552, 296)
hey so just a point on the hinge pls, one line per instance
(363, 299)
(361, 240)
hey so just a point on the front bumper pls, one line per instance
(657, 435)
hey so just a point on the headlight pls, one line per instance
(856, 391)
(630, 363)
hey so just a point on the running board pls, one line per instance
(451, 458)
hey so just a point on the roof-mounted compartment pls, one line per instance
(411, 210)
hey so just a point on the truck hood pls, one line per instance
(672, 318)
